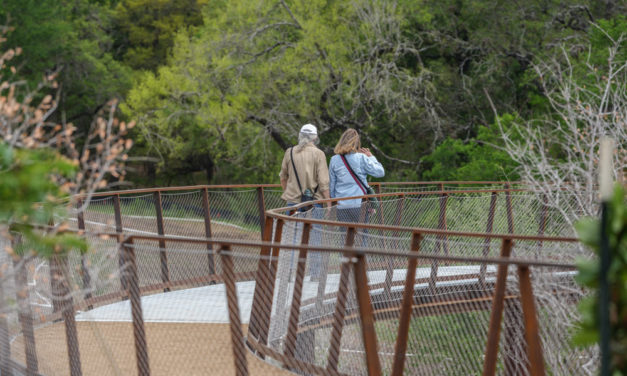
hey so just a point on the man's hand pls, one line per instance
(365, 151)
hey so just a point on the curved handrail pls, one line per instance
(236, 186)
(279, 213)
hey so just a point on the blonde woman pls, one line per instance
(348, 170)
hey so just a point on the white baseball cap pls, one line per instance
(309, 129)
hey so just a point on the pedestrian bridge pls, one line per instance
(444, 278)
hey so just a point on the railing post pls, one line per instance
(139, 332)
(389, 271)
(61, 292)
(542, 224)
(513, 333)
(117, 211)
(442, 240)
(5, 342)
(261, 282)
(25, 316)
(56, 306)
(292, 326)
(278, 237)
(406, 308)
(510, 213)
(367, 316)
(261, 204)
(207, 212)
(496, 314)
(237, 336)
(487, 241)
(165, 272)
(80, 216)
(267, 282)
(400, 206)
(340, 306)
(442, 221)
(534, 346)
(376, 186)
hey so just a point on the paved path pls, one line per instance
(208, 304)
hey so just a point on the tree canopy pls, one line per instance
(407, 75)
(220, 88)
(145, 29)
(72, 38)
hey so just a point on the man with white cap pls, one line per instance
(304, 169)
(305, 176)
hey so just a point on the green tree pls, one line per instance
(479, 158)
(478, 46)
(41, 165)
(146, 28)
(405, 74)
(583, 100)
(263, 69)
(72, 38)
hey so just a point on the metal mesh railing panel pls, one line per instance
(273, 198)
(321, 331)
(236, 211)
(556, 298)
(100, 215)
(183, 214)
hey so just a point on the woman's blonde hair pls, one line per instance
(348, 143)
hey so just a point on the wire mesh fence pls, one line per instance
(207, 281)
(452, 298)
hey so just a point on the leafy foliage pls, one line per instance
(231, 82)
(477, 159)
(146, 28)
(589, 230)
(406, 74)
(73, 39)
(262, 70)
(30, 196)
(41, 164)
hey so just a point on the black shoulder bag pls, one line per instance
(368, 190)
(306, 195)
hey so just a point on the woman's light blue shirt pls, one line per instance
(342, 183)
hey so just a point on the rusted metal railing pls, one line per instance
(354, 258)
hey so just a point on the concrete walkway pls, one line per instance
(208, 304)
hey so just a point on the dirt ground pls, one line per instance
(107, 348)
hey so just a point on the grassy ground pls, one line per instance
(451, 344)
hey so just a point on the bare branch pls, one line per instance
(561, 150)
(289, 11)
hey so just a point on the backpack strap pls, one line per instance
(361, 185)
(296, 172)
